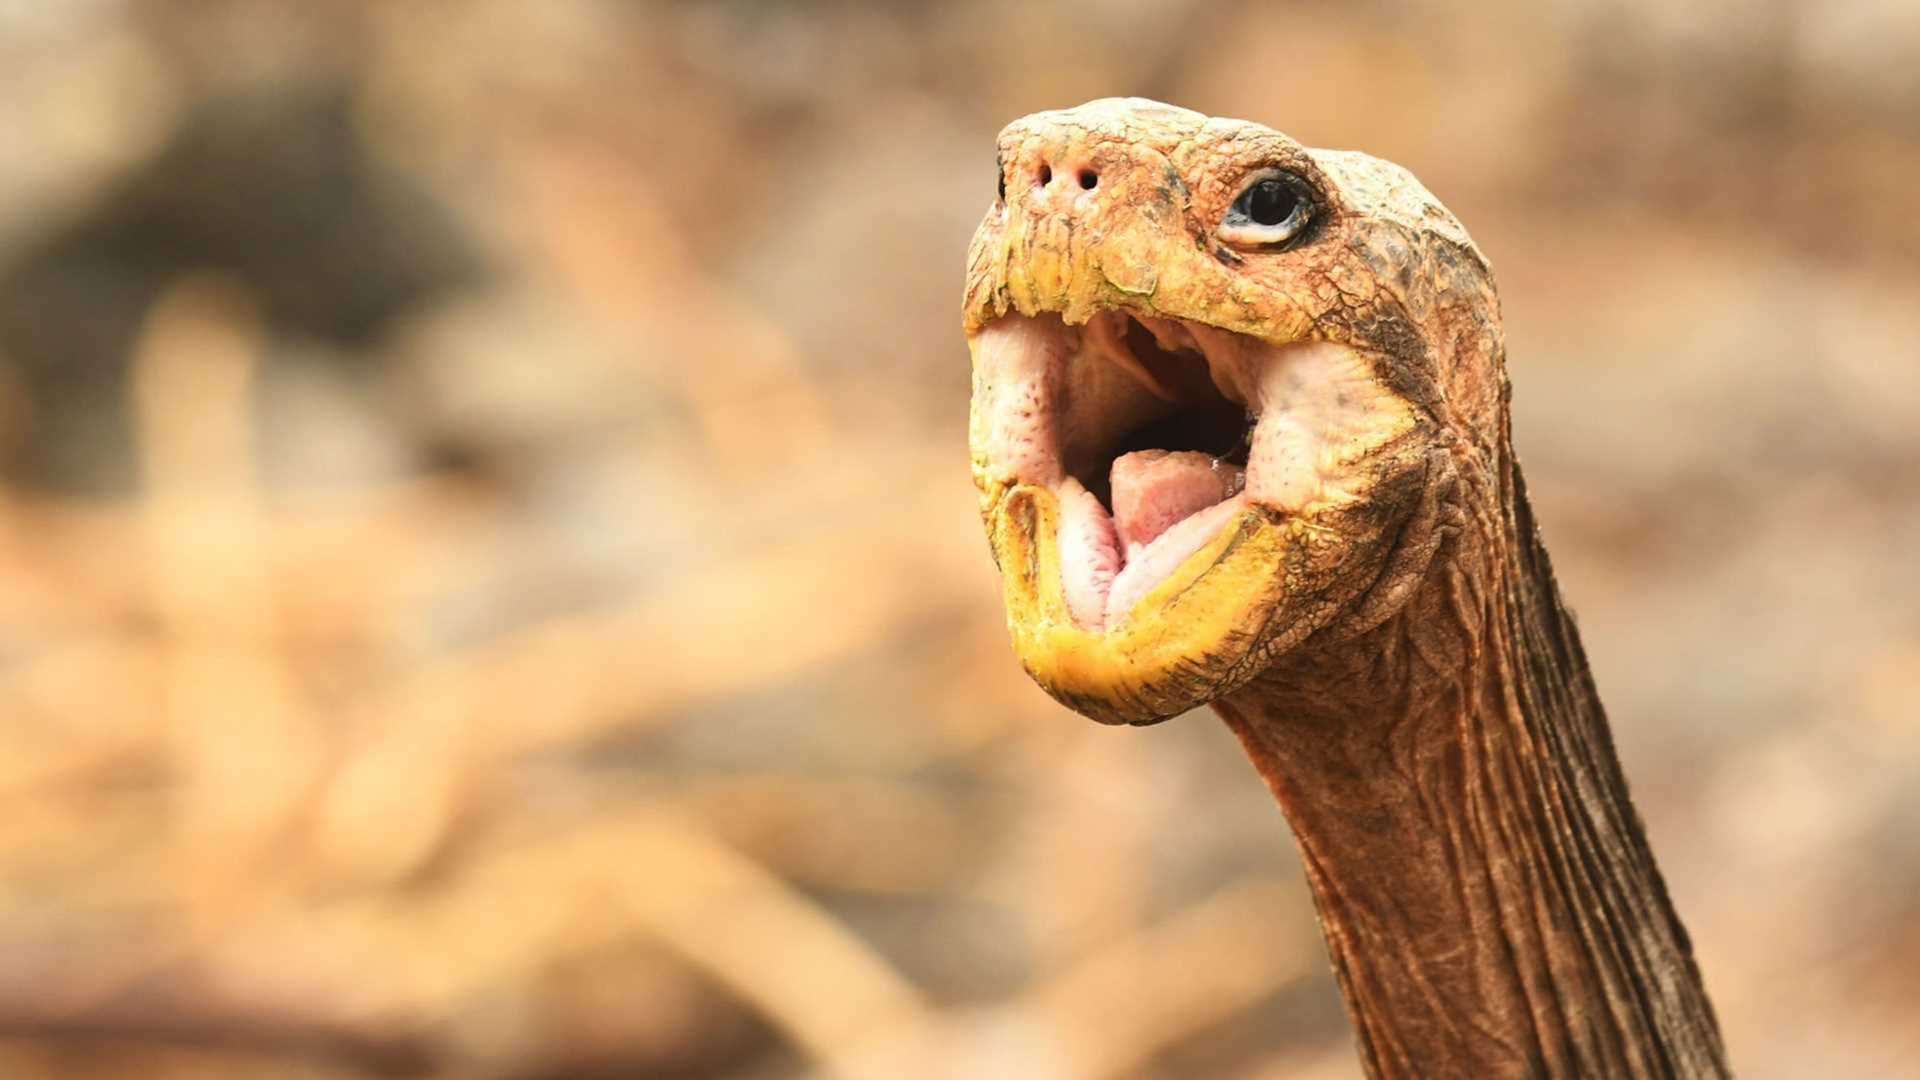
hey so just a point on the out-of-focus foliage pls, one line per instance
(489, 584)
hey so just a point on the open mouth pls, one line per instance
(1155, 435)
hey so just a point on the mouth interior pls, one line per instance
(1138, 426)
(1198, 418)
(1155, 435)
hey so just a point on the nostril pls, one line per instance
(1088, 178)
(1046, 175)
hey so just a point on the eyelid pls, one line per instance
(1259, 235)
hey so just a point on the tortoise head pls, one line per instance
(1219, 383)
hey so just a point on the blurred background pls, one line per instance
(489, 582)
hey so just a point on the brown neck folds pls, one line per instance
(1487, 893)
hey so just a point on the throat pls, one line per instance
(1489, 900)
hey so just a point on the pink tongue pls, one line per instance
(1154, 489)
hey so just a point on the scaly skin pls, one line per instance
(1393, 653)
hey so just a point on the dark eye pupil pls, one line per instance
(1270, 202)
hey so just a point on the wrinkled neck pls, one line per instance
(1488, 897)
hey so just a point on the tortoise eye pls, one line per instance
(1271, 211)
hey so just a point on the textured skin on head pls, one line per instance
(1400, 666)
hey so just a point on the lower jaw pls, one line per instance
(1182, 642)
